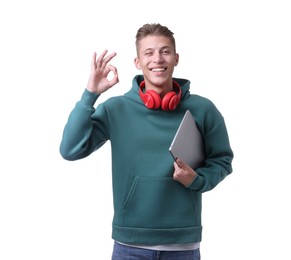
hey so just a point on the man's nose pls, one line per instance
(158, 58)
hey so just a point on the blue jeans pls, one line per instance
(122, 252)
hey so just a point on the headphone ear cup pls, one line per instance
(151, 99)
(172, 101)
(169, 101)
(154, 99)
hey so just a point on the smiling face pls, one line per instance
(156, 57)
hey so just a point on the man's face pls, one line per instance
(157, 59)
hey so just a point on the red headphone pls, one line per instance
(153, 100)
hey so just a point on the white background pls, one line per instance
(237, 53)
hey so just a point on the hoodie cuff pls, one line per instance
(196, 184)
(89, 98)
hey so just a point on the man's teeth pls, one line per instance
(158, 69)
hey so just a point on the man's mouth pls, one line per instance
(158, 69)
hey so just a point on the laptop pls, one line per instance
(187, 143)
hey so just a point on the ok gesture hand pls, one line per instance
(98, 81)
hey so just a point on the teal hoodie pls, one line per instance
(149, 206)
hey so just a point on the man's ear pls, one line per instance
(177, 59)
(137, 63)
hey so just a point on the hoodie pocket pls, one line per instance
(161, 203)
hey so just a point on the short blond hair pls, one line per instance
(154, 29)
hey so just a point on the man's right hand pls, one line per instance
(98, 81)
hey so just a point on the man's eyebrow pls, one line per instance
(148, 49)
(162, 48)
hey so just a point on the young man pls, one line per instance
(157, 202)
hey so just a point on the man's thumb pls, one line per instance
(180, 162)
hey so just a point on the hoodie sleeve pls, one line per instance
(219, 155)
(82, 135)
